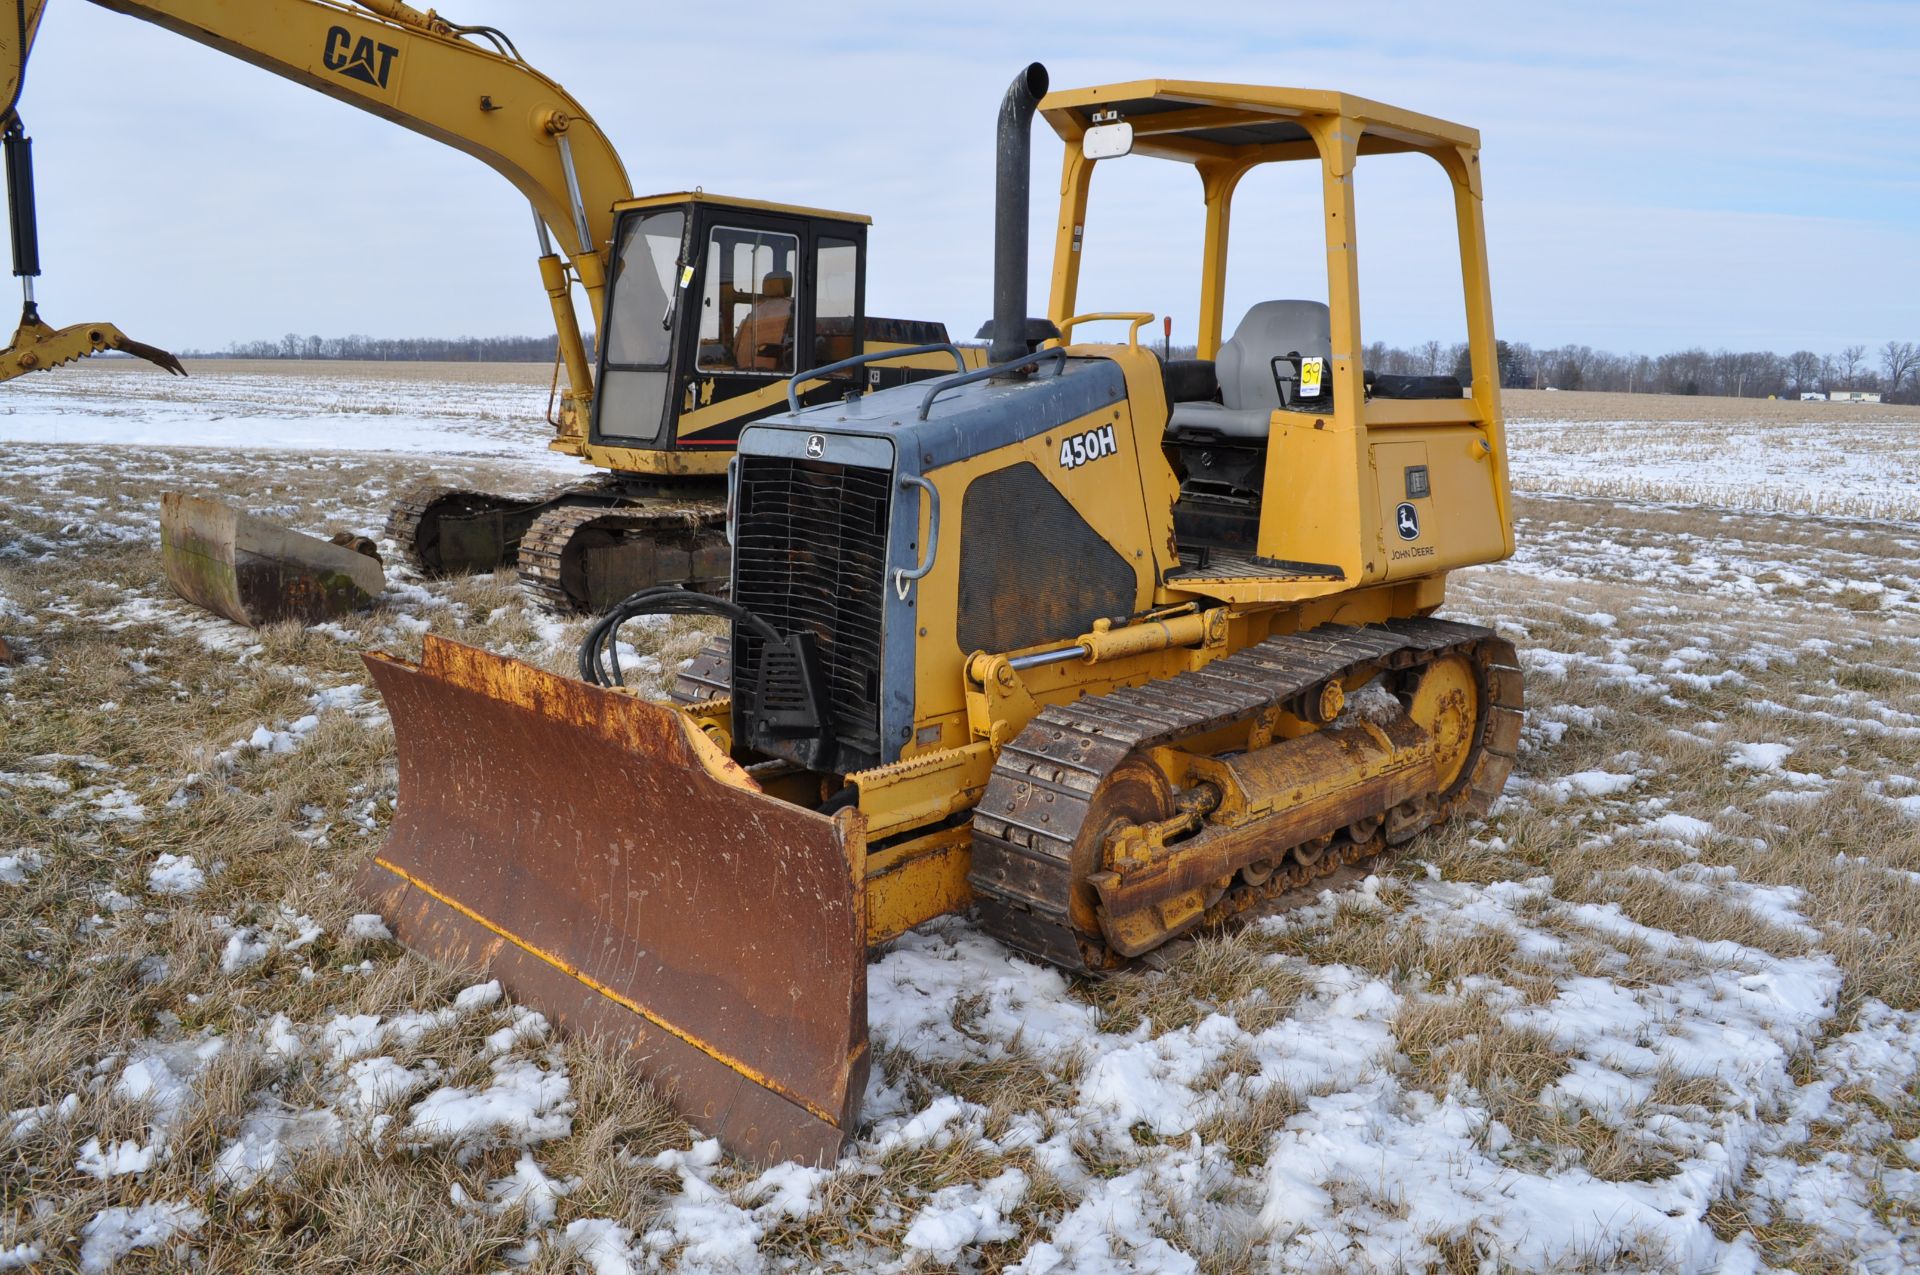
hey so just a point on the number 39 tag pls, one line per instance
(1310, 373)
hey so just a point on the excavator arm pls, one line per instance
(425, 73)
(36, 346)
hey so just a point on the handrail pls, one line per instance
(983, 373)
(902, 578)
(1138, 320)
(814, 374)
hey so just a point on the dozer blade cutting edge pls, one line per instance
(255, 572)
(614, 869)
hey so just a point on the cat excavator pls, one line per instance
(1099, 646)
(703, 305)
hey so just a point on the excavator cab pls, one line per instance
(979, 658)
(713, 304)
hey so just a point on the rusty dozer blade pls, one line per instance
(36, 347)
(255, 572)
(608, 863)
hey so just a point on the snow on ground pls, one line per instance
(242, 410)
(1755, 459)
(1651, 1015)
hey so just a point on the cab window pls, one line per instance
(638, 333)
(747, 312)
(836, 271)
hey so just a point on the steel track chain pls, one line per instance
(1044, 783)
(542, 560)
(410, 510)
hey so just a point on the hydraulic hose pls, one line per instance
(600, 649)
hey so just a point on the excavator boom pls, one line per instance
(464, 86)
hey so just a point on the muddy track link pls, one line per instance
(410, 511)
(1043, 786)
(674, 542)
(403, 520)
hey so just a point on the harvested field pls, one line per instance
(1854, 459)
(1660, 1011)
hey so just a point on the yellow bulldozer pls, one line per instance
(1101, 646)
(703, 307)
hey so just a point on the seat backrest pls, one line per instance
(1270, 329)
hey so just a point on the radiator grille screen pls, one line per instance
(810, 556)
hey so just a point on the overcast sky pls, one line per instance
(1657, 175)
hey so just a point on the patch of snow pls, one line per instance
(1682, 828)
(175, 874)
(530, 1188)
(367, 927)
(604, 1247)
(1590, 783)
(965, 1214)
(380, 1082)
(15, 868)
(112, 1234)
(1761, 756)
(524, 1104)
(118, 1159)
(242, 950)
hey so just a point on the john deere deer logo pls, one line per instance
(362, 59)
(1407, 521)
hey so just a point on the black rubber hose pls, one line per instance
(600, 649)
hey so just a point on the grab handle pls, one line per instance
(903, 578)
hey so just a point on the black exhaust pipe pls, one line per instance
(1012, 175)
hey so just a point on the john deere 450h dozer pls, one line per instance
(1077, 640)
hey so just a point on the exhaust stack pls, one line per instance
(1012, 176)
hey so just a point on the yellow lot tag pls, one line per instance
(1310, 377)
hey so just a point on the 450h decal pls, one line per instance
(1080, 449)
(363, 59)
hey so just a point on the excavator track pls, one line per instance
(1048, 781)
(413, 523)
(583, 546)
(588, 557)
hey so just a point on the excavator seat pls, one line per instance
(765, 336)
(1249, 390)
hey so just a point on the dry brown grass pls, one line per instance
(1235, 973)
(153, 703)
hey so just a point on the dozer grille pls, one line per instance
(810, 556)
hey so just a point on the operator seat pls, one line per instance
(1249, 394)
(762, 341)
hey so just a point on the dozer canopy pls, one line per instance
(610, 865)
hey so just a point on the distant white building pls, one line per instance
(1855, 396)
(1812, 396)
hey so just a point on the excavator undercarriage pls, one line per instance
(580, 547)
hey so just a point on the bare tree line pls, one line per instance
(462, 349)
(1893, 370)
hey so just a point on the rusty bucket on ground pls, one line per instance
(606, 861)
(255, 572)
